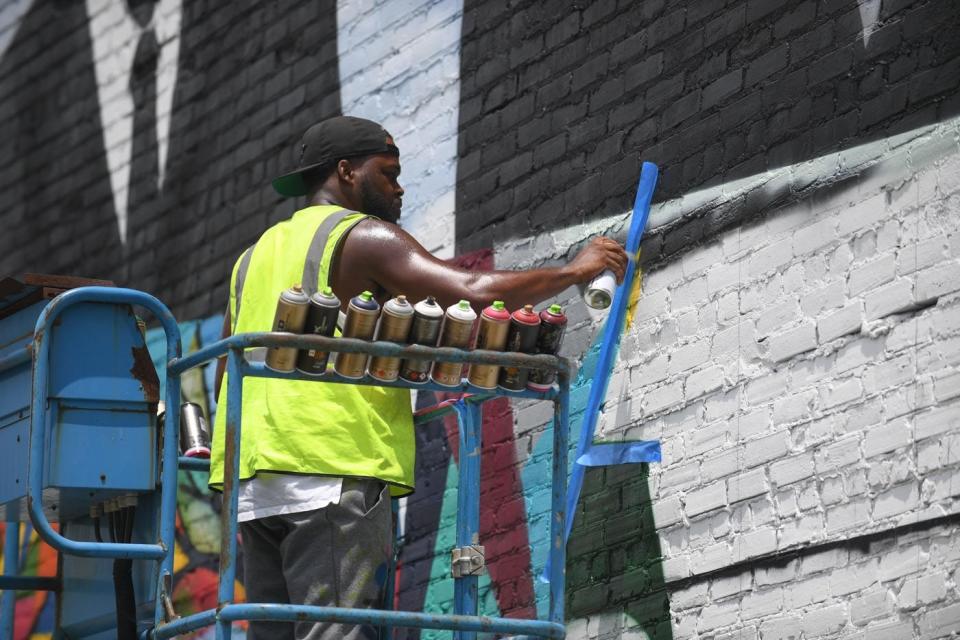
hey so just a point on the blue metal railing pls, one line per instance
(162, 551)
(465, 621)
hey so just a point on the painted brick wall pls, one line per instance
(795, 317)
(797, 343)
(799, 371)
(558, 107)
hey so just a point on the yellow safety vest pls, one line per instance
(311, 428)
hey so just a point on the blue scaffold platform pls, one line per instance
(82, 359)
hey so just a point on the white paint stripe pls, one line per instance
(11, 13)
(869, 13)
(167, 18)
(409, 82)
(895, 158)
(114, 34)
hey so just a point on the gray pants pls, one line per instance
(337, 556)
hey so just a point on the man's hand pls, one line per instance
(602, 253)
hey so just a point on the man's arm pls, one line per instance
(384, 254)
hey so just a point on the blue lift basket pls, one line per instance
(78, 399)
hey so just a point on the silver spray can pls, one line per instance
(427, 318)
(395, 322)
(194, 435)
(361, 323)
(457, 331)
(599, 294)
(492, 336)
(321, 321)
(290, 317)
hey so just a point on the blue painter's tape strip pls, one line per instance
(610, 343)
(602, 454)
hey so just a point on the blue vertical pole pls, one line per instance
(231, 494)
(560, 517)
(11, 566)
(168, 480)
(465, 593)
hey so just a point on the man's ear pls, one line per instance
(346, 172)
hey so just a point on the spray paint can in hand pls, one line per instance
(194, 435)
(492, 335)
(522, 338)
(290, 317)
(322, 321)
(599, 293)
(457, 329)
(552, 325)
(394, 326)
(427, 318)
(361, 323)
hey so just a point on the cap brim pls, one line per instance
(290, 185)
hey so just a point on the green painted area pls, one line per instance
(614, 562)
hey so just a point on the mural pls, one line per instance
(142, 134)
(34, 611)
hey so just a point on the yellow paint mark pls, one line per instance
(239, 592)
(180, 559)
(634, 295)
(20, 543)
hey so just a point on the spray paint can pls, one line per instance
(194, 435)
(457, 329)
(321, 321)
(600, 291)
(522, 338)
(290, 317)
(427, 318)
(552, 325)
(395, 322)
(361, 323)
(492, 335)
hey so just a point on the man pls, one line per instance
(320, 461)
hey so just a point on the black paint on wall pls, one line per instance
(56, 207)
(561, 101)
(252, 76)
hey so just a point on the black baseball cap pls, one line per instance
(330, 141)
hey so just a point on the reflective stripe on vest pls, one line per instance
(309, 427)
(238, 287)
(311, 266)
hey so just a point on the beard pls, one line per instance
(377, 204)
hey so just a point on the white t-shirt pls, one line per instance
(272, 494)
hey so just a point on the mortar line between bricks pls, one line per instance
(916, 363)
(741, 449)
(783, 557)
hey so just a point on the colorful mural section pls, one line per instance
(34, 610)
(613, 550)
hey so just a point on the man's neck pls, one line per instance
(330, 197)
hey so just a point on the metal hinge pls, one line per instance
(468, 561)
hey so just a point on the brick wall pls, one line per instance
(558, 106)
(799, 372)
(794, 300)
(796, 345)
